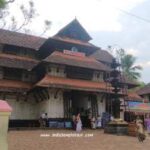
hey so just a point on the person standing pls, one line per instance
(140, 130)
(99, 121)
(46, 120)
(147, 124)
(79, 123)
(93, 123)
(74, 122)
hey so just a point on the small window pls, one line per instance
(49, 69)
(26, 76)
(98, 75)
(57, 70)
(74, 49)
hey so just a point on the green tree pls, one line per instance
(129, 69)
(2, 3)
(29, 13)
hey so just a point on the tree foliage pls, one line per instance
(29, 13)
(129, 69)
(127, 61)
(2, 3)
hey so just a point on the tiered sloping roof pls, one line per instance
(14, 85)
(74, 30)
(145, 90)
(77, 84)
(20, 39)
(102, 55)
(73, 41)
(14, 61)
(78, 61)
(133, 96)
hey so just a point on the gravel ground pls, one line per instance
(88, 140)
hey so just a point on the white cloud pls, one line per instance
(94, 15)
(145, 64)
(133, 52)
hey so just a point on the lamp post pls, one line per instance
(116, 126)
(116, 88)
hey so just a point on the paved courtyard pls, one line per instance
(60, 140)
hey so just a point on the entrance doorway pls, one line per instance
(80, 102)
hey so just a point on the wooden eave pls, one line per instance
(14, 85)
(13, 61)
(76, 84)
(76, 61)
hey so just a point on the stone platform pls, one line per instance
(117, 126)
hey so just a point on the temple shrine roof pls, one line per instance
(78, 61)
(145, 90)
(74, 30)
(77, 84)
(20, 39)
(12, 85)
(133, 96)
(73, 41)
(102, 55)
(14, 61)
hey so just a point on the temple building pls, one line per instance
(145, 92)
(61, 75)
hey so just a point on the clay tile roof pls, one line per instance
(85, 62)
(51, 81)
(133, 96)
(73, 41)
(7, 60)
(74, 30)
(13, 84)
(144, 90)
(102, 55)
(20, 39)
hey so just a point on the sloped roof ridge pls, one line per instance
(74, 21)
(21, 39)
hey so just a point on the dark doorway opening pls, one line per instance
(80, 102)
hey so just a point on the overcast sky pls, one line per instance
(104, 21)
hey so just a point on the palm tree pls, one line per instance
(130, 70)
(2, 3)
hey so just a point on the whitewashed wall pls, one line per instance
(97, 76)
(54, 106)
(32, 110)
(22, 109)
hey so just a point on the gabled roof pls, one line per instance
(145, 90)
(102, 55)
(133, 96)
(84, 62)
(74, 30)
(125, 80)
(20, 39)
